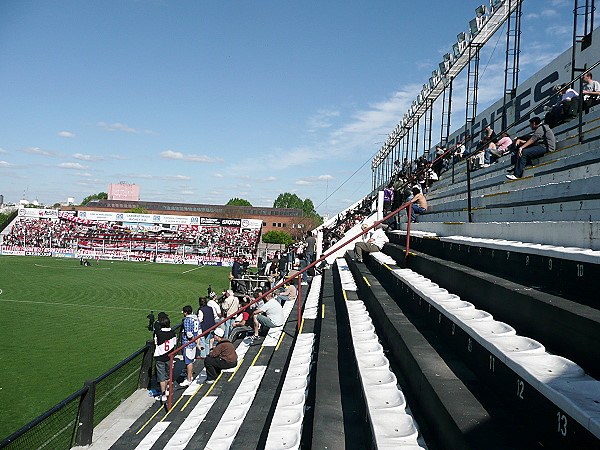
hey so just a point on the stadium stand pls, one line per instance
(211, 241)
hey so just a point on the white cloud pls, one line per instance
(72, 165)
(187, 192)
(122, 127)
(83, 174)
(66, 134)
(6, 164)
(40, 152)
(264, 180)
(178, 156)
(147, 176)
(321, 119)
(549, 13)
(3, 151)
(326, 177)
(177, 178)
(558, 30)
(119, 157)
(218, 175)
(303, 183)
(87, 157)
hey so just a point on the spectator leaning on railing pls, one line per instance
(541, 142)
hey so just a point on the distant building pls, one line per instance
(124, 191)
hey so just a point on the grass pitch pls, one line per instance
(63, 323)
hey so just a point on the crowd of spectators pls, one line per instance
(209, 241)
(345, 221)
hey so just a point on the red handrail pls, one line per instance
(299, 298)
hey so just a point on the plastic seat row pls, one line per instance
(392, 425)
(286, 427)
(558, 379)
(552, 251)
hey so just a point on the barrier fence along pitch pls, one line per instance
(71, 422)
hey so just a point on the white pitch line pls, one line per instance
(69, 268)
(76, 304)
(195, 268)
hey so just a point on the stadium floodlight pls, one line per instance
(435, 74)
(447, 57)
(461, 37)
(456, 50)
(444, 67)
(481, 11)
(474, 27)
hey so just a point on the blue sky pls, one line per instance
(201, 101)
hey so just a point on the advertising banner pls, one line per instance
(38, 213)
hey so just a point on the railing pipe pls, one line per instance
(204, 332)
(409, 212)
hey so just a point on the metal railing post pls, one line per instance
(409, 212)
(85, 430)
(170, 402)
(299, 297)
(469, 162)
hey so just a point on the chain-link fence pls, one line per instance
(70, 422)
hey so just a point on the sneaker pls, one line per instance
(185, 382)
(164, 398)
(304, 283)
(485, 165)
(511, 177)
(209, 381)
(512, 169)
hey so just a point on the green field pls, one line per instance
(63, 323)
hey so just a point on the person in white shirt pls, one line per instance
(374, 244)
(270, 315)
(591, 90)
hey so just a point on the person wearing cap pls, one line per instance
(270, 315)
(223, 356)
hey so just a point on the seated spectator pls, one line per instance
(223, 356)
(288, 292)
(565, 109)
(591, 91)
(165, 340)
(270, 315)
(373, 244)
(421, 204)
(240, 326)
(541, 142)
(496, 151)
